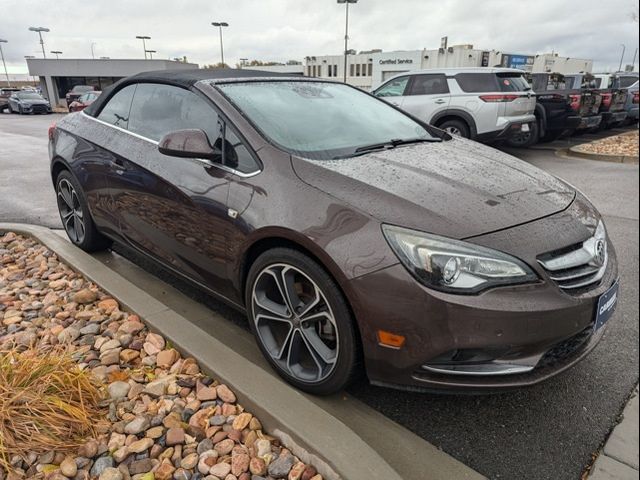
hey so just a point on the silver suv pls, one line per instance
(484, 104)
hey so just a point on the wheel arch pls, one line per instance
(58, 164)
(283, 238)
(455, 114)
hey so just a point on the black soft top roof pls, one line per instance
(182, 78)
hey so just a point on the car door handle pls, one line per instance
(118, 166)
(440, 101)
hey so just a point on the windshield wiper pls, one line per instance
(394, 143)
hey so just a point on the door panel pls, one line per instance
(426, 96)
(172, 208)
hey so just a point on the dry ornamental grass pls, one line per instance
(46, 402)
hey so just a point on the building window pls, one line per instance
(357, 69)
(370, 70)
(319, 70)
(351, 70)
(335, 70)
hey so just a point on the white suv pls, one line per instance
(484, 104)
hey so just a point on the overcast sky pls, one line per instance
(291, 29)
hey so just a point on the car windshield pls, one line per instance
(81, 88)
(29, 96)
(321, 120)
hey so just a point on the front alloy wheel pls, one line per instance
(301, 321)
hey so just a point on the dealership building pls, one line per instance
(367, 70)
(57, 77)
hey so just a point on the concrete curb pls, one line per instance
(575, 152)
(285, 412)
(618, 458)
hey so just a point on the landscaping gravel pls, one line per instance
(165, 419)
(625, 144)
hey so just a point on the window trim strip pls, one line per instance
(200, 160)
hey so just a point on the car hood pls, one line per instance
(456, 188)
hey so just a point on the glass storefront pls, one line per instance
(64, 84)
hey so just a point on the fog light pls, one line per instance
(451, 270)
(388, 339)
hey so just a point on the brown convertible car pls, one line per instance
(355, 237)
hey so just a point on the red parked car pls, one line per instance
(84, 101)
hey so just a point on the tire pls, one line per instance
(456, 127)
(286, 339)
(525, 140)
(75, 215)
(551, 135)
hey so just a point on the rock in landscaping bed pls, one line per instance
(164, 418)
(624, 145)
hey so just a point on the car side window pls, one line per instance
(477, 82)
(116, 111)
(236, 155)
(432, 84)
(395, 88)
(159, 109)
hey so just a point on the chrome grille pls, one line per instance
(582, 265)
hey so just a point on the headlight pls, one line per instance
(454, 266)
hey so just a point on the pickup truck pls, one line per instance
(613, 88)
(564, 103)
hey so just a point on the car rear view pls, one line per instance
(504, 105)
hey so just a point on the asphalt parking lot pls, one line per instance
(545, 432)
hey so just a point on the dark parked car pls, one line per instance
(28, 102)
(563, 105)
(633, 101)
(75, 92)
(84, 101)
(5, 93)
(614, 99)
(351, 233)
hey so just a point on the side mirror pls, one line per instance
(188, 143)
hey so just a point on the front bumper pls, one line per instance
(536, 325)
(36, 109)
(633, 113)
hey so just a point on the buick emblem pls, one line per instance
(599, 254)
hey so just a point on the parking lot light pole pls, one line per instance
(93, 53)
(622, 56)
(151, 52)
(220, 25)
(56, 53)
(346, 34)
(40, 30)
(144, 45)
(6, 73)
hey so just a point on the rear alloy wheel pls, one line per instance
(525, 139)
(301, 321)
(75, 216)
(457, 128)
